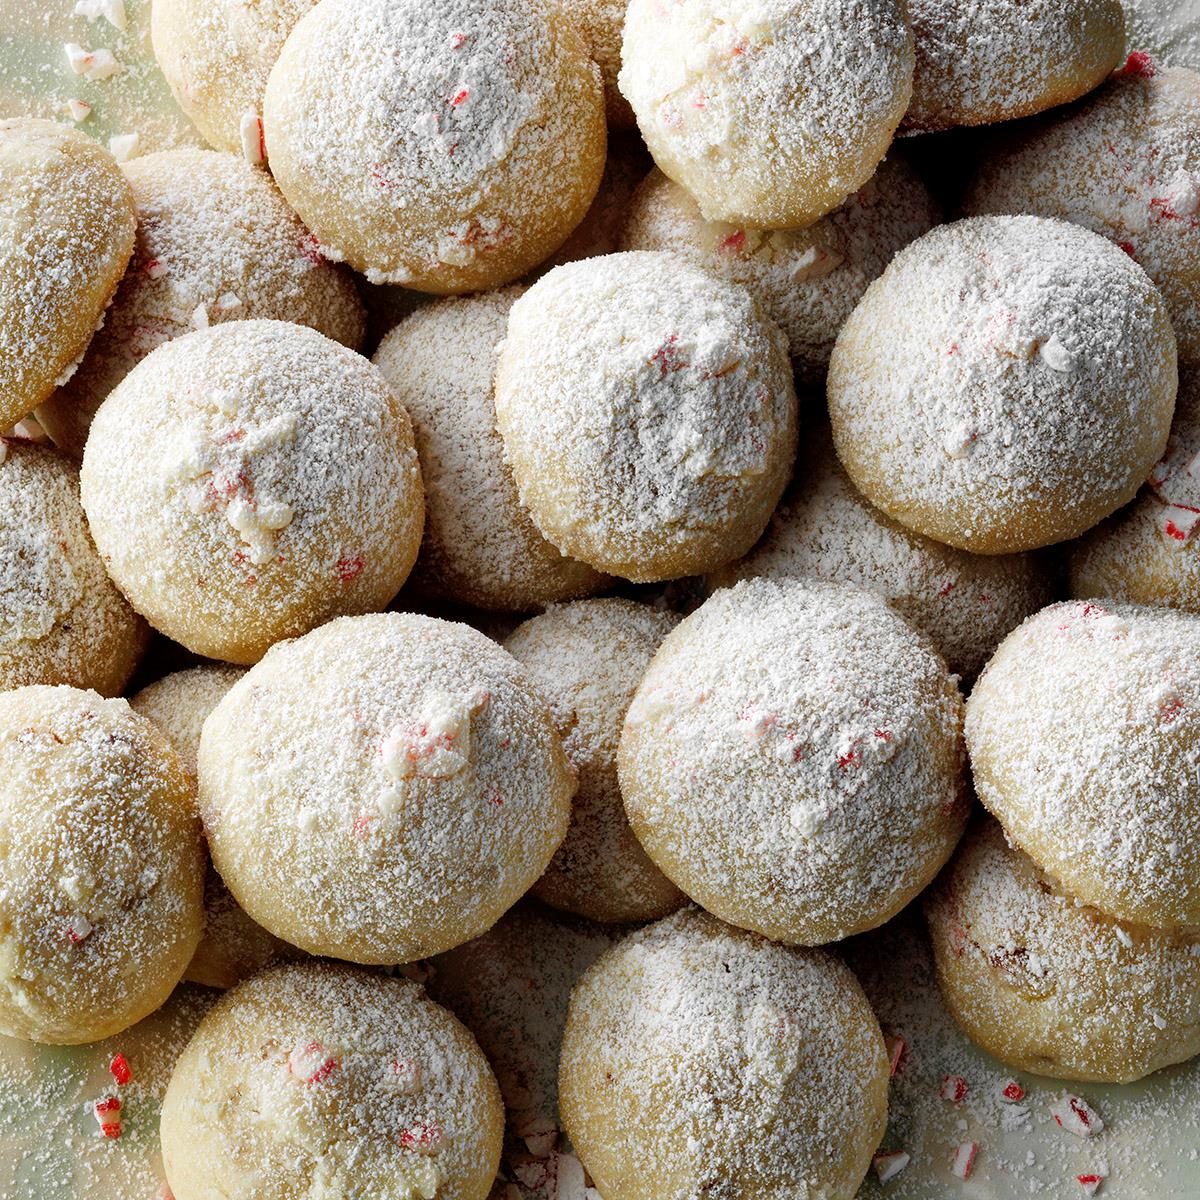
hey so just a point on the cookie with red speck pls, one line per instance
(216, 242)
(456, 161)
(1026, 391)
(68, 219)
(588, 659)
(1051, 986)
(64, 621)
(769, 114)
(983, 61)
(793, 759)
(1084, 737)
(322, 1080)
(1149, 552)
(384, 788)
(101, 871)
(248, 482)
(1125, 163)
(648, 414)
(809, 280)
(699, 1059)
(480, 547)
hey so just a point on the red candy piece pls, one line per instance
(897, 1049)
(954, 1089)
(1013, 1092)
(1090, 1183)
(108, 1116)
(964, 1160)
(1139, 63)
(120, 1070)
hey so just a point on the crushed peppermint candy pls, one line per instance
(124, 146)
(311, 1063)
(79, 110)
(1078, 1117)
(254, 146)
(120, 1069)
(1091, 1182)
(887, 1164)
(113, 11)
(963, 1162)
(92, 64)
(1012, 1092)
(108, 1116)
(897, 1051)
(954, 1089)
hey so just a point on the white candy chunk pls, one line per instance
(1077, 1116)
(91, 64)
(958, 441)
(80, 110)
(1057, 357)
(200, 317)
(434, 745)
(79, 928)
(228, 302)
(124, 146)
(964, 1160)
(889, 1163)
(113, 11)
(258, 523)
(250, 131)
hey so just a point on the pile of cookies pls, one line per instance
(516, 716)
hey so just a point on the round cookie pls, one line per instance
(1083, 734)
(101, 866)
(510, 988)
(808, 280)
(248, 482)
(1123, 163)
(769, 114)
(454, 162)
(233, 947)
(1169, 30)
(384, 788)
(1051, 986)
(1148, 552)
(824, 529)
(985, 61)
(1007, 383)
(587, 659)
(68, 220)
(648, 414)
(480, 547)
(703, 1060)
(602, 23)
(793, 759)
(217, 57)
(321, 1080)
(215, 243)
(61, 618)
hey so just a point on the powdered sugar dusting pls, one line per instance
(793, 759)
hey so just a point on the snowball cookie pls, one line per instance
(61, 618)
(809, 280)
(384, 788)
(1124, 163)
(510, 988)
(481, 548)
(1149, 553)
(217, 56)
(770, 114)
(793, 759)
(248, 482)
(323, 1081)
(602, 23)
(648, 414)
(1168, 29)
(701, 1060)
(215, 242)
(982, 61)
(587, 659)
(67, 217)
(1007, 383)
(1083, 734)
(233, 947)
(964, 603)
(448, 147)
(1051, 986)
(101, 870)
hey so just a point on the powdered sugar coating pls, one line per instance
(769, 112)
(511, 987)
(384, 788)
(214, 237)
(700, 1059)
(61, 618)
(68, 221)
(964, 603)
(1169, 30)
(1124, 163)
(480, 546)
(808, 280)
(1005, 384)
(984, 61)
(233, 946)
(289, 1089)
(648, 414)
(247, 482)
(793, 759)
(587, 659)
(1051, 986)
(101, 866)
(1084, 736)
(447, 147)
(1149, 552)
(217, 56)
(602, 23)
